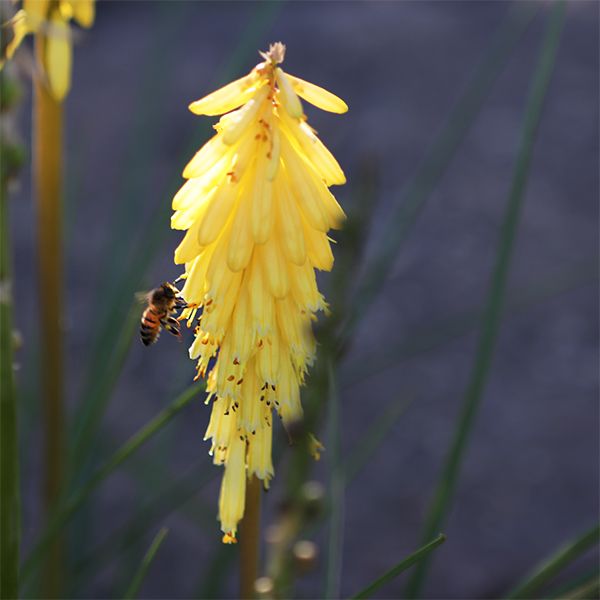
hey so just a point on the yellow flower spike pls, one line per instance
(50, 20)
(257, 210)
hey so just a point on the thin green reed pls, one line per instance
(399, 568)
(134, 588)
(11, 157)
(10, 504)
(492, 317)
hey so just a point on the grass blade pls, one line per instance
(426, 178)
(399, 568)
(556, 563)
(74, 503)
(573, 588)
(493, 311)
(134, 588)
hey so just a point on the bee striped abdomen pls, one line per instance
(149, 327)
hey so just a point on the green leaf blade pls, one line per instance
(399, 568)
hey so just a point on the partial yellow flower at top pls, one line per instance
(257, 209)
(50, 18)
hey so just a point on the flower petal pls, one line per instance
(301, 136)
(318, 96)
(288, 226)
(207, 157)
(58, 56)
(217, 212)
(274, 267)
(84, 12)
(288, 96)
(302, 185)
(241, 242)
(245, 116)
(262, 304)
(189, 248)
(318, 249)
(232, 497)
(226, 98)
(263, 215)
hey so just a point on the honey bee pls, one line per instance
(162, 304)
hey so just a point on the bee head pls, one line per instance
(170, 290)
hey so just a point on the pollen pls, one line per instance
(256, 210)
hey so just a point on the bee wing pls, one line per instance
(143, 297)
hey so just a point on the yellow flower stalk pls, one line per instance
(50, 18)
(257, 209)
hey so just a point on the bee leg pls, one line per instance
(171, 325)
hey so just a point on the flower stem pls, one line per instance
(250, 539)
(47, 169)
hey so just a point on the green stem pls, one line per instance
(10, 506)
(47, 169)
(493, 311)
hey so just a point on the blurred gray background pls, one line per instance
(530, 480)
